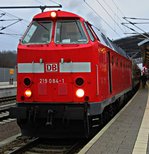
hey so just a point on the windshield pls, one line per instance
(39, 33)
(70, 32)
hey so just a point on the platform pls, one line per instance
(4, 85)
(127, 132)
(8, 90)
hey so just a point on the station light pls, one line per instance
(80, 93)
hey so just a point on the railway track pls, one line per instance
(38, 146)
(5, 104)
(35, 145)
(6, 100)
(4, 115)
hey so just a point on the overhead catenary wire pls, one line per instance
(2, 28)
(138, 23)
(55, 2)
(135, 31)
(118, 8)
(134, 25)
(18, 19)
(115, 13)
(5, 21)
(5, 30)
(10, 34)
(134, 18)
(111, 10)
(21, 7)
(8, 19)
(39, 1)
(30, 7)
(11, 15)
(49, 0)
(109, 15)
(2, 14)
(102, 18)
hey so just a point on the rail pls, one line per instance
(37, 145)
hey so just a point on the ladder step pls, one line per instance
(95, 126)
(95, 119)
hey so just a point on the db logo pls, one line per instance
(53, 67)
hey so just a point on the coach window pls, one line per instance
(70, 32)
(38, 33)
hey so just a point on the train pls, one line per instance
(70, 77)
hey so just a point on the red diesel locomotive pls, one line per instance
(70, 76)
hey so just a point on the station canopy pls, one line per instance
(136, 47)
(144, 46)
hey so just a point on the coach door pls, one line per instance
(109, 72)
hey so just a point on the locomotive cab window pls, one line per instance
(38, 33)
(89, 32)
(70, 32)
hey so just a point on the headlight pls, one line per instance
(53, 14)
(80, 93)
(28, 93)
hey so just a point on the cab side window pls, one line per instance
(89, 32)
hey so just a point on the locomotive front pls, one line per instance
(56, 76)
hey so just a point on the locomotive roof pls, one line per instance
(68, 15)
(59, 14)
